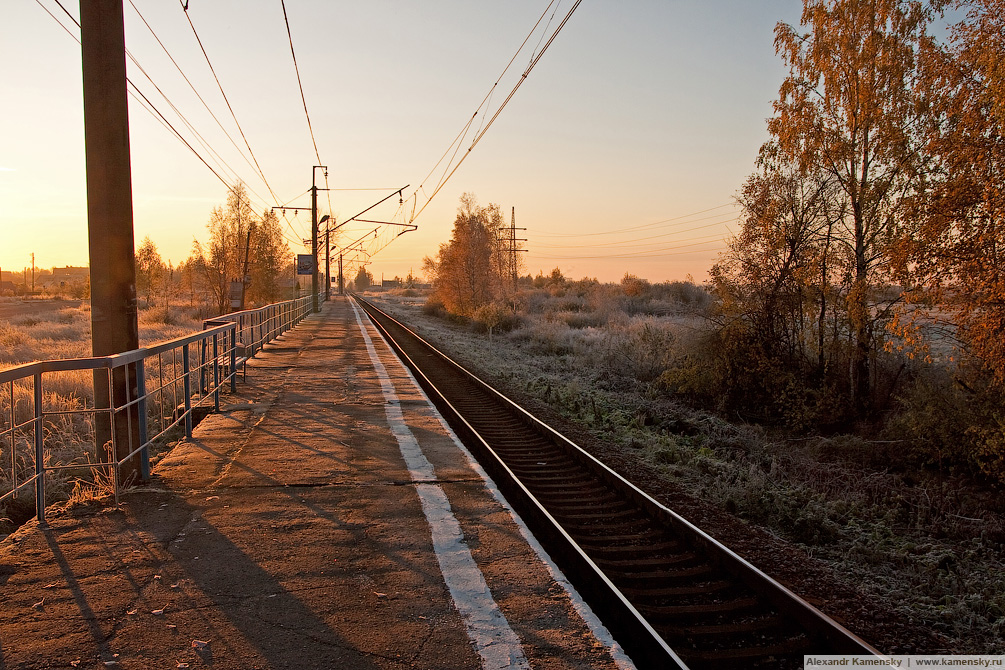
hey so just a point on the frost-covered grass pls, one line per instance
(66, 333)
(60, 334)
(929, 544)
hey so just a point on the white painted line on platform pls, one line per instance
(487, 626)
(593, 622)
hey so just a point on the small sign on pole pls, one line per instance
(305, 264)
(236, 289)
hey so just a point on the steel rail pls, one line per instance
(621, 585)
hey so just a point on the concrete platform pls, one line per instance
(326, 519)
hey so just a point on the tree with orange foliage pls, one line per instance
(959, 248)
(467, 272)
(962, 240)
(778, 285)
(850, 109)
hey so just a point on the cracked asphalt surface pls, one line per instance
(286, 534)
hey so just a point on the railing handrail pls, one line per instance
(202, 379)
(111, 361)
(229, 316)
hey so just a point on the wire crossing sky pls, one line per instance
(621, 151)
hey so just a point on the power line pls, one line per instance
(680, 221)
(152, 109)
(460, 136)
(300, 235)
(193, 88)
(138, 94)
(448, 171)
(632, 243)
(56, 19)
(655, 253)
(296, 197)
(300, 83)
(534, 61)
(218, 159)
(303, 98)
(299, 239)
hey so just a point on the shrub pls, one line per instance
(434, 307)
(546, 337)
(686, 295)
(495, 316)
(579, 320)
(642, 349)
(635, 287)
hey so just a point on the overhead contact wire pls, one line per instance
(184, 7)
(139, 95)
(460, 136)
(194, 90)
(499, 110)
(299, 82)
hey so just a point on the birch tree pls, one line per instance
(850, 109)
(242, 247)
(149, 269)
(962, 242)
(467, 270)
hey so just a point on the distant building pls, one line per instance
(67, 275)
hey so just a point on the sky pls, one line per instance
(622, 151)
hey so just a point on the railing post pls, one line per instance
(13, 452)
(233, 360)
(114, 453)
(187, 385)
(202, 370)
(141, 413)
(216, 372)
(39, 452)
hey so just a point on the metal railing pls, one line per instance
(257, 327)
(52, 419)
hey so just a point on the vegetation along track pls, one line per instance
(671, 595)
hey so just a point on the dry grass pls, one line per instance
(62, 333)
(66, 333)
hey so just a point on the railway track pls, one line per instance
(671, 595)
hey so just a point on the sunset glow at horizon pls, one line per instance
(622, 151)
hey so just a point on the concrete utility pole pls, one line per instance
(110, 217)
(314, 245)
(328, 271)
(247, 257)
(314, 236)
